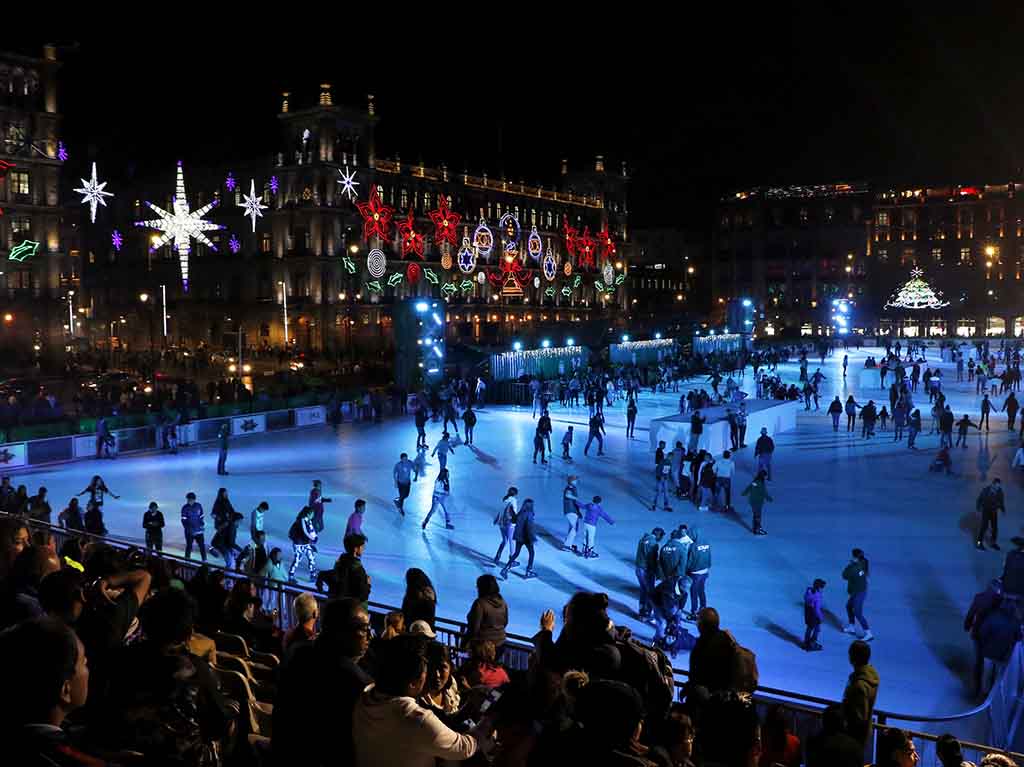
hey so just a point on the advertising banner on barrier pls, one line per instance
(310, 416)
(248, 424)
(85, 446)
(13, 455)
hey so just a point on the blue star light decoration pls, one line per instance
(234, 244)
(230, 182)
(273, 184)
(92, 193)
(62, 152)
(181, 225)
(117, 240)
(253, 204)
(348, 182)
(26, 249)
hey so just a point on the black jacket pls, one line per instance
(351, 578)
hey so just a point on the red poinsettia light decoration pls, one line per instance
(606, 243)
(445, 221)
(412, 241)
(570, 236)
(376, 216)
(586, 248)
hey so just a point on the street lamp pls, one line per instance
(144, 298)
(284, 294)
(71, 312)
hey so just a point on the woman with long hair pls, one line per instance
(96, 489)
(420, 600)
(303, 537)
(856, 576)
(442, 491)
(525, 535)
(506, 520)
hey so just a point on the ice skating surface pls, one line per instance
(831, 492)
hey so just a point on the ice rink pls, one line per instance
(831, 492)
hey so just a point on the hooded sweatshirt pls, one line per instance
(647, 553)
(699, 559)
(487, 619)
(859, 701)
(673, 556)
(812, 606)
(397, 730)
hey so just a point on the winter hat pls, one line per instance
(422, 627)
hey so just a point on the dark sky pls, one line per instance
(696, 104)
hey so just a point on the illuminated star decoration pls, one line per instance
(62, 152)
(348, 182)
(376, 216)
(181, 225)
(230, 182)
(25, 250)
(466, 257)
(117, 240)
(253, 203)
(445, 222)
(549, 265)
(92, 193)
(606, 243)
(234, 244)
(273, 184)
(412, 241)
(585, 247)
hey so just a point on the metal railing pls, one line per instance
(805, 710)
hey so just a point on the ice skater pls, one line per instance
(420, 464)
(571, 512)
(441, 450)
(506, 521)
(258, 520)
(835, 410)
(544, 428)
(961, 430)
(662, 477)
(442, 492)
(524, 535)
(856, 576)
(303, 536)
(698, 569)
(354, 525)
(851, 413)
(402, 475)
(813, 615)
(593, 513)
(696, 429)
(316, 503)
(631, 411)
(538, 446)
(646, 563)
(421, 418)
(469, 421)
(225, 522)
(757, 493)
(596, 432)
(193, 525)
(450, 415)
(567, 444)
(990, 502)
(222, 457)
(153, 524)
(97, 489)
(763, 450)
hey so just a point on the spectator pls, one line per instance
(861, 691)
(611, 714)
(440, 692)
(48, 669)
(420, 600)
(14, 538)
(393, 729)
(60, 595)
(949, 753)
(831, 746)
(71, 518)
(586, 642)
(394, 625)
(19, 502)
(273, 568)
(305, 612)
(350, 578)
(21, 597)
(245, 618)
(488, 616)
(39, 507)
(895, 748)
(674, 742)
(711, 660)
(779, 745)
(481, 669)
(319, 683)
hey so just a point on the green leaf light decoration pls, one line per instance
(430, 275)
(25, 250)
(395, 280)
(349, 264)
(374, 287)
(448, 290)
(467, 286)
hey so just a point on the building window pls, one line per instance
(21, 227)
(937, 255)
(803, 216)
(883, 218)
(20, 182)
(883, 255)
(19, 280)
(266, 242)
(404, 199)
(908, 257)
(307, 240)
(965, 255)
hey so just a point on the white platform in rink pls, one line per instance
(775, 415)
(832, 491)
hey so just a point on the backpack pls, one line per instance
(648, 671)
(744, 667)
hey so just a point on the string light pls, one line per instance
(117, 240)
(234, 244)
(916, 294)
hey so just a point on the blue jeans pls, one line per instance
(222, 460)
(811, 633)
(764, 462)
(506, 539)
(434, 506)
(646, 580)
(855, 609)
(698, 599)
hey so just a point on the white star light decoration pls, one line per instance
(348, 183)
(92, 193)
(253, 204)
(181, 225)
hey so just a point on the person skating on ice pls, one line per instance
(538, 446)
(225, 522)
(544, 428)
(316, 503)
(961, 430)
(469, 421)
(506, 521)
(662, 479)
(193, 525)
(153, 524)
(835, 410)
(990, 503)
(593, 512)
(303, 536)
(763, 450)
(421, 419)
(258, 520)
(757, 493)
(223, 436)
(914, 428)
(97, 489)
(420, 464)
(450, 415)
(698, 568)
(646, 564)
(813, 615)
(856, 576)
(851, 413)
(354, 525)
(567, 444)
(986, 408)
(596, 432)
(525, 535)
(402, 475)
(571, 512)
(631, 411)
(1010, 407)
(442, 492)
(441, 450)
(696, 429)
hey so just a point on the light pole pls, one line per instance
(163, 296)
(144, 298)
(71, 313)
(284, 294)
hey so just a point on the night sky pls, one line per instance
(697, 105)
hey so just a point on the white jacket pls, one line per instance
(398, 732)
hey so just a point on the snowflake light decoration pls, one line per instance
(376, 216)
(253, 204)
(62, 152)
(273, 184)
(230, 182)
(412, 241)
(181, 225)
(466, 257)
(445, 222)
(916, 294)
(348, 183)
(234, 244)
(92, 193)
(585, 248)
(483, 239)
(117, 240)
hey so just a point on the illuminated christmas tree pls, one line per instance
(916, 294)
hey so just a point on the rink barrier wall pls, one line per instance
(78, 447)
(804, 710)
